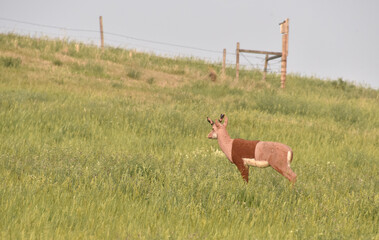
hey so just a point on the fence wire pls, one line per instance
(251, 61)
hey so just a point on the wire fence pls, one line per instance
(167, 49)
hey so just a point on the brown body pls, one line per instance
(245, 153)
(243, 149)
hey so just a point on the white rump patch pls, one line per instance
(289, 157)
(255, 163)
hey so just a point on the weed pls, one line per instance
(150, 80)
(10, 62)
(346, 114)
(91, 68)
(57, 62)
(340, 84)
(134, 74)
(117, 85)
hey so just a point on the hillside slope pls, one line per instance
(112, 145)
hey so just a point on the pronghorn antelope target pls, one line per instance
(245, 153)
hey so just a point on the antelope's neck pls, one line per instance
(225, 143)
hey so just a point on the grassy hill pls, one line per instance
(112, 145)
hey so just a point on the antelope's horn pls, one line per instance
(221, 117)
(210, 121)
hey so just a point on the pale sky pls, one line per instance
(328, 39)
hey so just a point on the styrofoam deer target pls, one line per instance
(245, 153)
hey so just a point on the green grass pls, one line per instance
(10, 62)
(87, 152)
(134, 74)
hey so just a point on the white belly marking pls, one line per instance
(255, 163)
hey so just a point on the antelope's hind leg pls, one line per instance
(277, 156)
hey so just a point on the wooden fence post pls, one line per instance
(265, 69)
(223, 62)
(238, 61)
(284, 28)
(101, 32)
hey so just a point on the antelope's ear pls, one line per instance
(225, 121)
(218, 124)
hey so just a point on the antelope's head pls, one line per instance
(217, 127)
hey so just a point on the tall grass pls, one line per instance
(86, 152)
